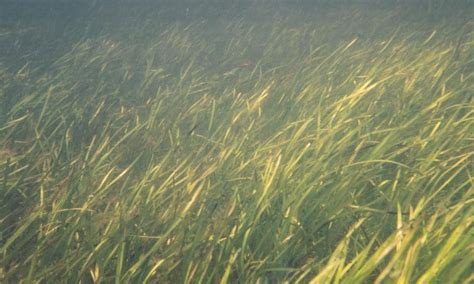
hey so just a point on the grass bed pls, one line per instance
(269, 145)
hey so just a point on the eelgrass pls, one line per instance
(230, 151)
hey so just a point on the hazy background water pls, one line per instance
(50, 27)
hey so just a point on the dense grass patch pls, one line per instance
(198, 143)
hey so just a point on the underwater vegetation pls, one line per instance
(276, 145)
